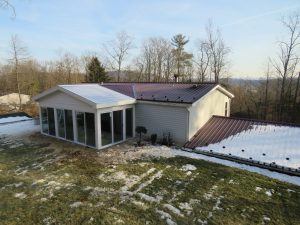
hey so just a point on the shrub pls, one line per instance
(140, 130)
(153, 138)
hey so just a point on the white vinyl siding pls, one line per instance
(211, 104)
(159, 119)
(59, 99)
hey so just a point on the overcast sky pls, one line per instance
(250, 28)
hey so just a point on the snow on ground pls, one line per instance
(266, 143)
(19, 128)
(14, 119)
(275, 175)
(13, 99)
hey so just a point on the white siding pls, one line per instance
(61, 100)
(163, 118)
(211, 104)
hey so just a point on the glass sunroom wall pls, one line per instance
(44, 118)
(69, 124)
(80, 127)
(118, 125)
(90, 129)
(51, 121)
(106, 128)
(61, 123)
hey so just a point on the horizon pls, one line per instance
(250, 29)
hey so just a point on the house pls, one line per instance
(100, 115)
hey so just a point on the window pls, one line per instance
(86, 128)
(80, 127)
(90, 129)
(226, 108)
(106, 131)
(44, 115)
(61, 123)
(118, 125)
(129, 123)
(51, 121)
(69, 125)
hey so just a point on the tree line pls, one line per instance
(275, 97)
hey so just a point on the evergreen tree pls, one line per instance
(183, 59)
(96, 72)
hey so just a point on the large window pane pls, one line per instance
(69, 125)
(51, 121)
(90, 129)
(61, 123)
(106, 129)
(129, 123)
(44, 115)
(80, 127)
(118, 125)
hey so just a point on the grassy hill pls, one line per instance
(51, 182)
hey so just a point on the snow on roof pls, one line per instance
(99, 95)
(93, 94)
(258, 140)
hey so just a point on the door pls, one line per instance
(118, 125)
(106, 129)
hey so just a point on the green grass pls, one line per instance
(53, 180)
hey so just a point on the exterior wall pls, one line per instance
(211, 104)
(59, 99)
(159, 118)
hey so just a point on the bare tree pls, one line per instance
(287, 59)
(19, 54)
(218, 51)
(118, 49)
(202, 60)
(5, 4)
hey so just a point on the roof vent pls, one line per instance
(195, 86)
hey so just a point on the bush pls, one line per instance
(140, 130)
(153, 138)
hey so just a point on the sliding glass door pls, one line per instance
(118, 125)
(106, 130)
(129, 122)
(86, 128)
(80, 127)
(90, 129)
(51, 121)
(112, 126)
(44, 115)
(69, 125)
(61, 123)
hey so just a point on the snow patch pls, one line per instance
(188, 167)
(21, 195)
(173, 209)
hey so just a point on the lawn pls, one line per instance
(52, 182)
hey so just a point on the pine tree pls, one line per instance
(96, 72)
(182, 58)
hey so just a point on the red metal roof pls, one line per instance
(219, 128)
(163, 92)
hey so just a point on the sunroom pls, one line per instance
(87, 114)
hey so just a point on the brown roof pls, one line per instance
(219, 128)
(163, 92)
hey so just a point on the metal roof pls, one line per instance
(219, 128)
(92, 94)
(166, 92)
